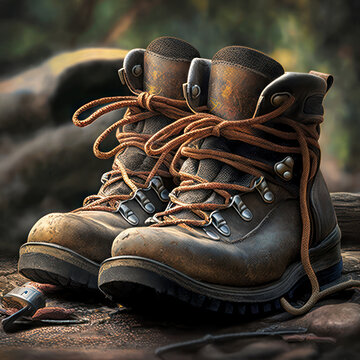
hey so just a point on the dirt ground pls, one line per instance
(114, 332)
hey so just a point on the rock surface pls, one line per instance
(46, 163)
(333, 329)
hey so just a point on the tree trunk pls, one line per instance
(347, 208)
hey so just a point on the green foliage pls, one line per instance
(301, 34)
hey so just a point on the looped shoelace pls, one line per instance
(202, 125)
(140, 107)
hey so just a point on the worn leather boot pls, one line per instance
(67, 248)
(252, 220)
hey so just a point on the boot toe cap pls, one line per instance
(188, 252)
(253, 261)
(73, 231)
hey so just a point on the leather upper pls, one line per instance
(89, 233)
(254, 256)
(258, 250)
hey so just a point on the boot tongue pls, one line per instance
(238, 75)
(166, 64)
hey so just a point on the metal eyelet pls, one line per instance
(128, 214)
(263, 188)
(157, 184)
(152, 220)
(284, 168)
(137, 70)
(195, 91)
(105, 177)
(279, 98)
(144, 202)
(220, 223)
(241, 208)
(211, 234)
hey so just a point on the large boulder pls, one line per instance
(47, 163)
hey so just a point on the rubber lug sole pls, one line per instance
(131, 279)
(57, 265)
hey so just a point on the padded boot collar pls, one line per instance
(308, 90)
(132, 72)
(196, 88)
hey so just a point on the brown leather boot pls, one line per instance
(252, 219)
(67, 248)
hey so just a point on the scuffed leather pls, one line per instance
(89, 233)
(164, 76)
(260, 256)
(258, 251)
(323, 213)
(224, 91)
(327, 77)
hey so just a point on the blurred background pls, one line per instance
(55, 55)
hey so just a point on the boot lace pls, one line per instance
(140, 108)
(201, 125)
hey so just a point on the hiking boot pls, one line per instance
(67, 248)
(252, 209)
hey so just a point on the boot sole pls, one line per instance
(57, 265)
(131, 279)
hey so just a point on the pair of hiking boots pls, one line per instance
(215, 197)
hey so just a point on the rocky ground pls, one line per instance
(113, 332)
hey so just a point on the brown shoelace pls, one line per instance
(140, 108)
(201, 125)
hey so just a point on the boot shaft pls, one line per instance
(160, 69)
